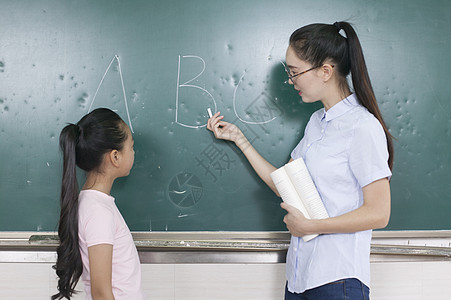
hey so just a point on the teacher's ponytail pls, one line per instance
(319, 43)
(361, 81)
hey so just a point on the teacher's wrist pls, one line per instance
(313, 226)
(242, 142)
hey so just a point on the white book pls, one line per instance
(296, 187)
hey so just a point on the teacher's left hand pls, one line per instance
(296, 222)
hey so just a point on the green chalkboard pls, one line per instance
(160, 64)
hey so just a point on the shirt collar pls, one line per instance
(341, 108)
(102, 195)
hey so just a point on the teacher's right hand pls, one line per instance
(224, 130)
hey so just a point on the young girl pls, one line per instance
(348, 151)
(95, 242)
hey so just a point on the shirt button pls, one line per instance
(322, 131)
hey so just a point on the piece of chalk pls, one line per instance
(209, 112)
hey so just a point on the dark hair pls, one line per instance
(84, 145)
(318, 43)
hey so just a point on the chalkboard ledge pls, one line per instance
(230, 247)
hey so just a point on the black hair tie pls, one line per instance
(80, 129)
(337, 25)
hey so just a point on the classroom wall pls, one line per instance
(412, 280)
(54, 53)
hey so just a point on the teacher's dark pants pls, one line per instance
(349, 289)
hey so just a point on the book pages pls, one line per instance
(287, 191)
(289, 195)
(302, 181)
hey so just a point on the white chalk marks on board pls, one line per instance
(185, 190)
(258, 108)
(188, 84)
(115, 58)
(248, 107)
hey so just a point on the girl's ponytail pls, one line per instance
(361, 81)
(83, 145)
(69, 266)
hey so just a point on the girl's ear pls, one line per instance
(114, 157)
(327, 71)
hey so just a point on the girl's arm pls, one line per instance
(373, 214)
(100, 264)
(227, 131)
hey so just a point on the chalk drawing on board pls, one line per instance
(185, 190)
(116, 57)
(187, 84)
(261, 110)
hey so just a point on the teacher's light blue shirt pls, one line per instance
(345, 149)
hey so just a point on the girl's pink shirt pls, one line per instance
(100, 222)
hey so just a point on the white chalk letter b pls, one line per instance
(191, 101)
